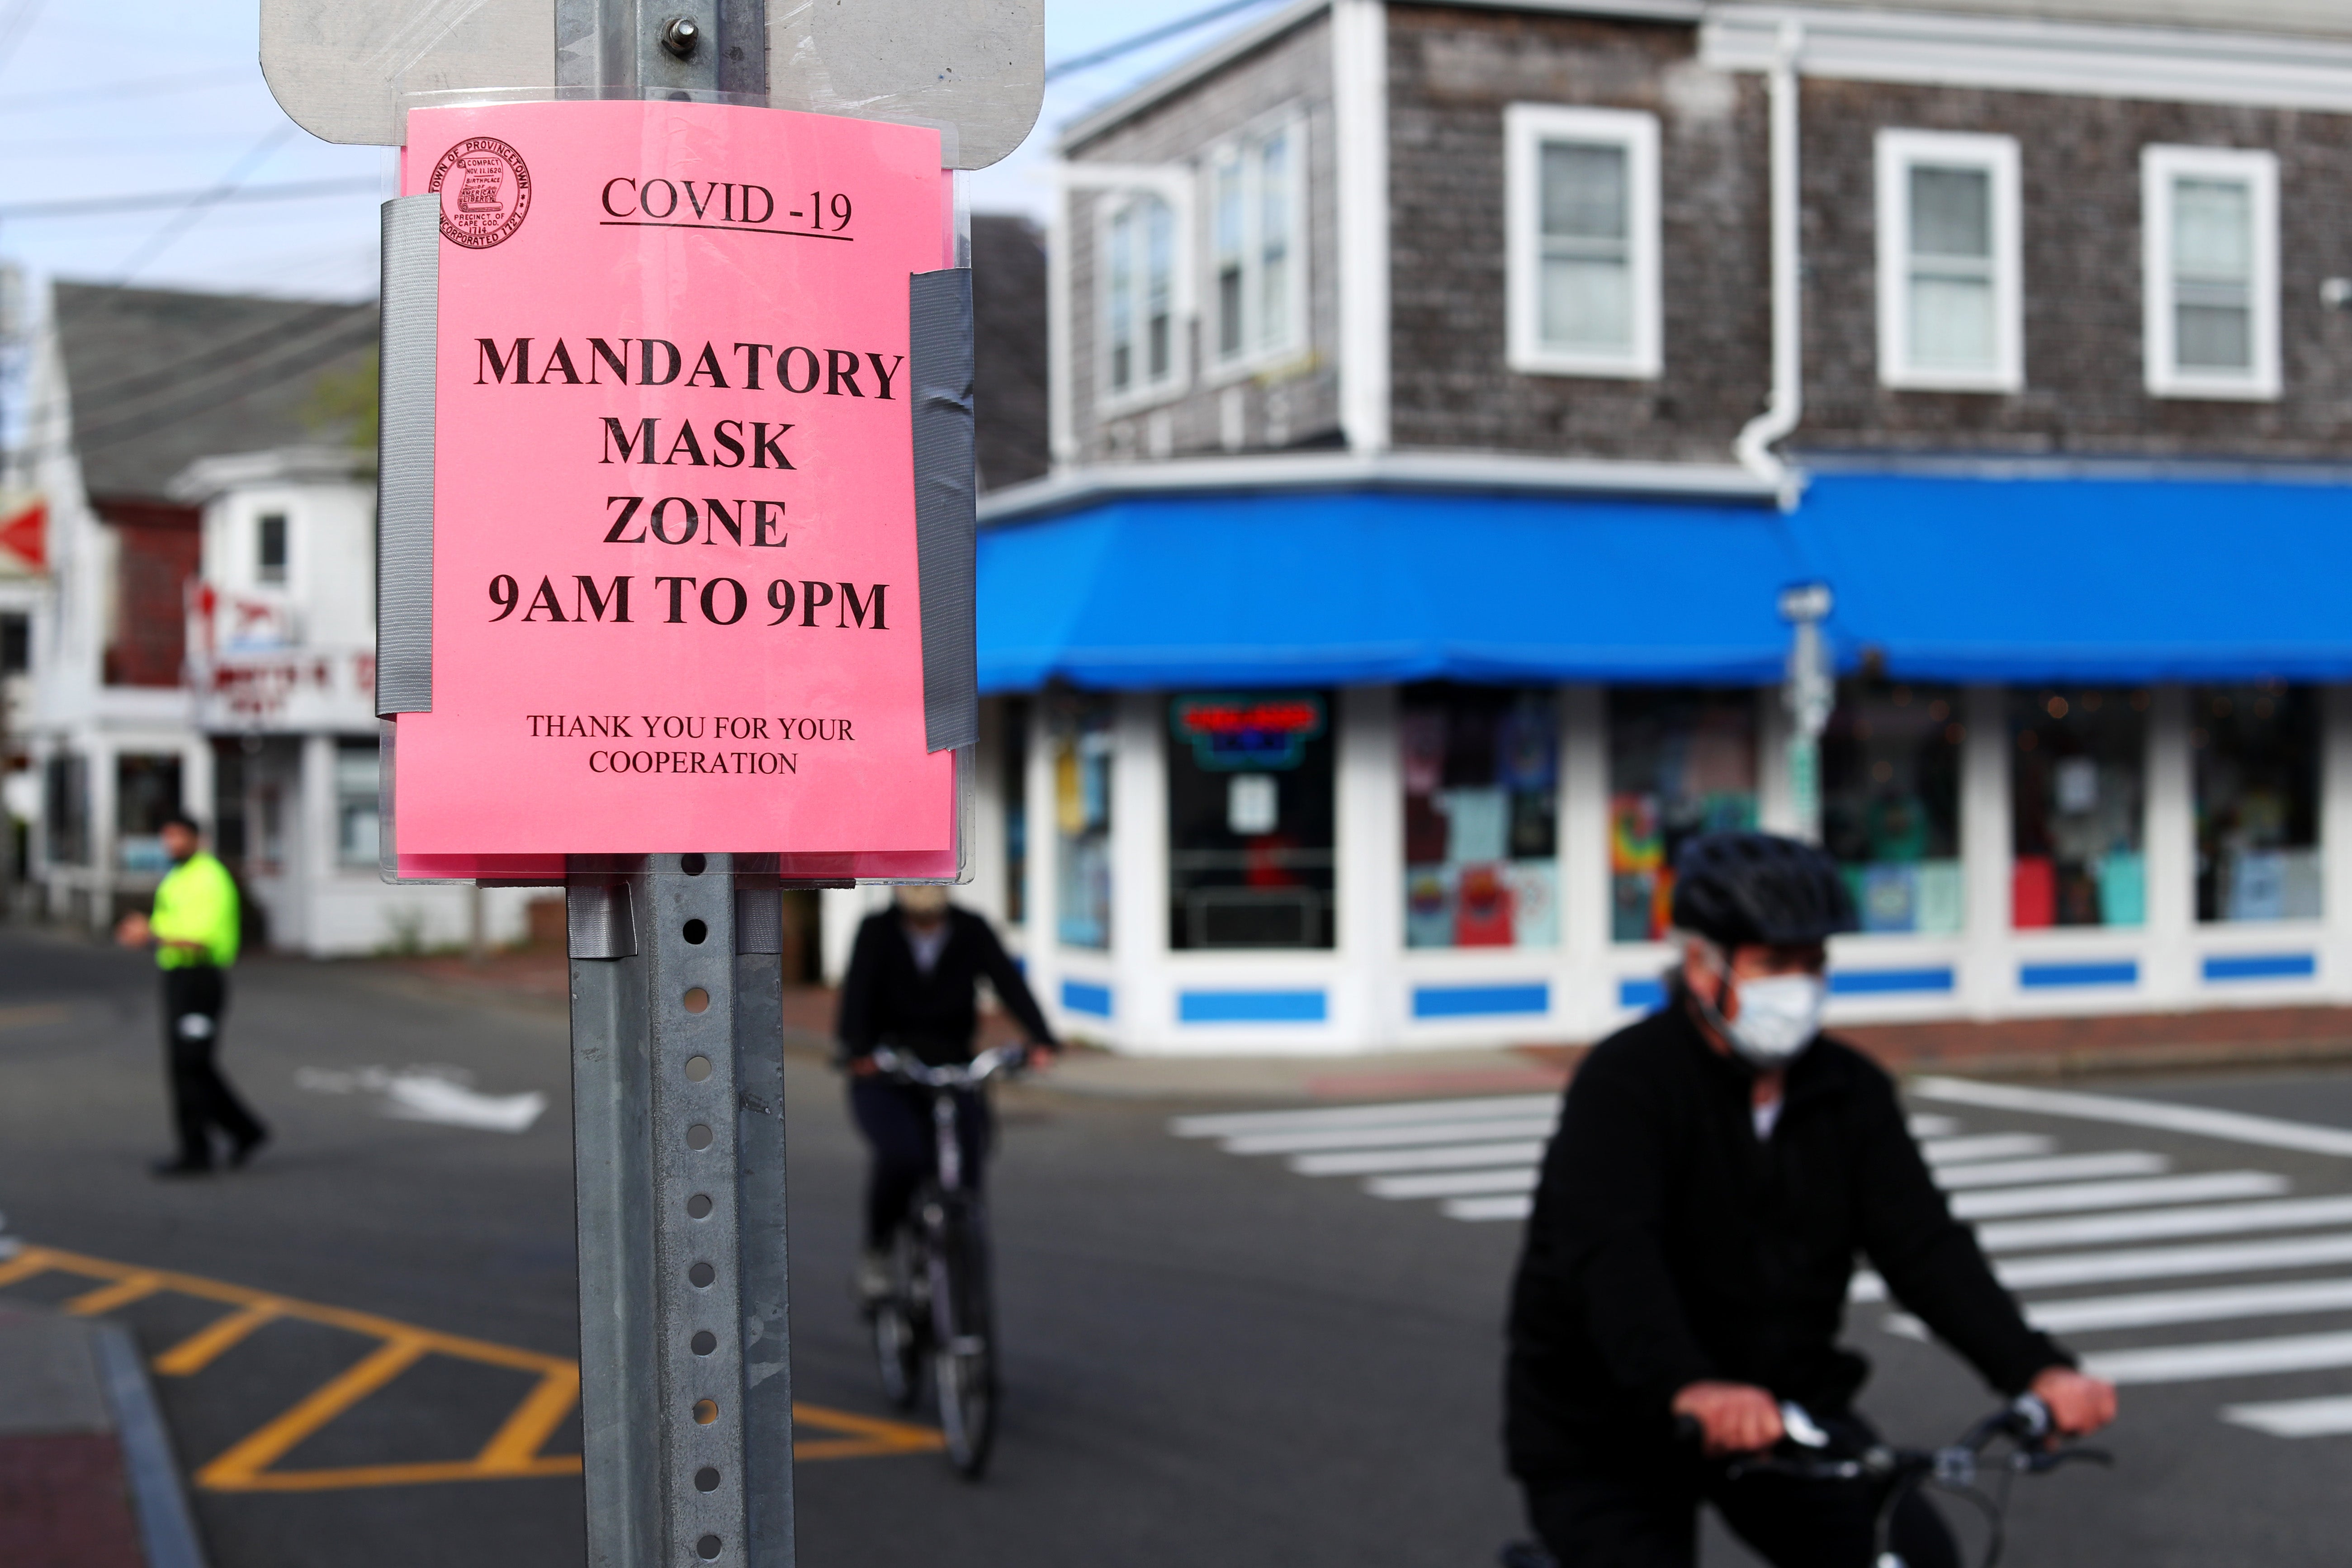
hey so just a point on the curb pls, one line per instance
(167, 1530)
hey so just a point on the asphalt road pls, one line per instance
(1208, 1357)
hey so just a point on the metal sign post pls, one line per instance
(677, 1081)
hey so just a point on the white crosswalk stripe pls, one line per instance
(2053, 1219)
(2056, 1168)
(1359, 1162)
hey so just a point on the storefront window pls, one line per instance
(2078, 761)
(1250, 820)
(1012, 728)
(355, 802)
(1680, 763)
(146, 791)
(1481, 811)
(2257, 751)
(1081, 739)
(1891, 803)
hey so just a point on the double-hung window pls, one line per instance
(1582, 238)
(1139, 297)
(1950, 311)
(1256, 225)
(2209, 240)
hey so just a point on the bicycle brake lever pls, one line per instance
(2039, 1461)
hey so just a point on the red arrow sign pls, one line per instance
(24, 533)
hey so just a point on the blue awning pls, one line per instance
(1325, 588)
(2085, 579)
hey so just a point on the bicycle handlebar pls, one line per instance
(890, 1063)
(2026, 1422)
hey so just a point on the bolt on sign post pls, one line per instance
(674, 592)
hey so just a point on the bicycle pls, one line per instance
(939, 1306)
(1808, 1453)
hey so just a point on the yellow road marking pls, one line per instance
(872, 1436)
(258, 1450)
(201, 1349)
(512, 1451)
(24, 1265)
(514, 1447)
(26, 1017)
(122, 1293)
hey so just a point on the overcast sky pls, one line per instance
(134, 97)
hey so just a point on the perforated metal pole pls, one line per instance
(677, 1077)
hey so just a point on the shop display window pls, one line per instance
(1250, 820)
(1481, 813)
(2078, 761)
(2257, 751)
(1680, 763)
(1080, 730)
(1891, 804)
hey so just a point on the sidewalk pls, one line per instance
(2032, 1047)
(87, 1479)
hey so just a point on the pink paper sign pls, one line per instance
(675, 601)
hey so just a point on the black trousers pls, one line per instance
(1644, 1514)
(895, 1119)
(202, 1100)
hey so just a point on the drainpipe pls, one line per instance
(1754, 444)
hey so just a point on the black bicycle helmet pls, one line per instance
(1741, 890)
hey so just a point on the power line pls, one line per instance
(188, 216)
(14, 23)
(1108, 52)
(135, 87)
(151, 201)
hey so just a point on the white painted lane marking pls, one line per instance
(2149, 1224)
(2225, 1358)
(2078, 1195)
(444, 1095)
(2145, 1263)
(1991, 1146)
(1453, 1184)
(1481, 1210)
(2057, 1168)
(1454, 1157)
(2325, 1417)
(1390, 1137)
(2230, 1126)
(1932, 1126)
(1394, 1114)
(2222, 1304)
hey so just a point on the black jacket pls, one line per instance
(886, 1000)
(1668, 1245)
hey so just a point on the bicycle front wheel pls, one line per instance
(897, 1341)
(963, 1352)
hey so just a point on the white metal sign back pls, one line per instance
(973, 69)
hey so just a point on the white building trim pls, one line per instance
(1360, 114)
(2180, 65)
(1490, 471)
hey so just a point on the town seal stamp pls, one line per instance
(490, 195)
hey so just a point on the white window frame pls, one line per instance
(1898, 153)
(2159, 166)
(1246, 150)
(1525, 128)
(1142, 393)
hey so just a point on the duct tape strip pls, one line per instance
(940, 349)
(403, 561)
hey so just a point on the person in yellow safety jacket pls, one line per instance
(194, 932)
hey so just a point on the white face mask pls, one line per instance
(1779, 1016)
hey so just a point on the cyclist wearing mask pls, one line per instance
(910, 986)
(1717, 1168)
